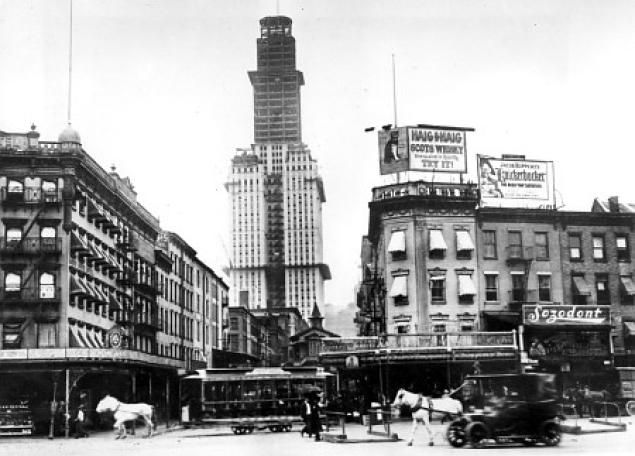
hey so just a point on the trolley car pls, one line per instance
(248, 399)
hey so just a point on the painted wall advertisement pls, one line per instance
(423, 148)
(512, 182)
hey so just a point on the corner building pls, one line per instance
(91, 299)
(276, 190)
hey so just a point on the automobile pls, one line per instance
(507, 408)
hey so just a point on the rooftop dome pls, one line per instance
(69, 135)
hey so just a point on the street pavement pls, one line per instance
(220, 441)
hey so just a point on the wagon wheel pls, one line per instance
(456, 434)
(550, 433)
(476, 434)
(630, 408)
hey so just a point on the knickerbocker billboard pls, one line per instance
(516, 182)
(423, 148)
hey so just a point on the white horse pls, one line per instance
(423, 407)
(126, 412)
(420, 407)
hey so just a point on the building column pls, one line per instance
(167, 401)
(67, 397)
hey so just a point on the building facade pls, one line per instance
(93, 297)
(276, 190)
(549, 290)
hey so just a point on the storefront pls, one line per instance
(571, 341)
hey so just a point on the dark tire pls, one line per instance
(550, 433)
(476, 434)
(456, 434)
(630, 408)
(249, 429)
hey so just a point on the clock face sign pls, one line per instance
(115, 339)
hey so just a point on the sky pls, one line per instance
(160, 90)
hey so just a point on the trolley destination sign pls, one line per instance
(566, 315)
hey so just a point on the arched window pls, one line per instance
(48, 232)
(12, 282)
(47, 285)
(14, 235)
(15, 186)
(49, 191)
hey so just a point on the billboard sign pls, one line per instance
(566, 315)
(516, 182)
(423, 148)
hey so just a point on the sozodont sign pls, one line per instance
(552, 315)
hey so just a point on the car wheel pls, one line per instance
(550, 434)
(456, 434)
(630, 408)
(476, 434)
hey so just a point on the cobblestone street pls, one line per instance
(221, 441)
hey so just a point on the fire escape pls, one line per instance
(520, 258)
(30, 258)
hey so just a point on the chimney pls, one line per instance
(614, 204)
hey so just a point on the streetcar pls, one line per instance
(246, 399)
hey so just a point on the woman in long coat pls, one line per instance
(315, 426)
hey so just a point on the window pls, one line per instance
(598, 248)
(515, 244)
(541, 246)
(437, 289)
(14, 235)
(403, 329)
(437, 245)
(575, 247)
(580, 290)
(49, 191)
(466, 326)
(544, 288)
(47, 286)
(464, 245)
(602, 289)
(518, 287)
(12, 282)
(623, 247)
(491, 287)
(489, 244)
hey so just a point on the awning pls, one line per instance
(504, 316)
(115, 304)
(581, 286)
(99, 338)
(436, 240)
(464, 241)
(466, 286)
(88, 286)
(92, 339)
(77, 243)
(77, 339)
(77, 287)
(629, 286)
(629, 328)
(399, 286)
(397, 242)
(101, 294)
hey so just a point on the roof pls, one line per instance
(322, 332)
(604, 206)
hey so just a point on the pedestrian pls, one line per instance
(579, 400)
(315, 426)
(305, 413)
(80, 422)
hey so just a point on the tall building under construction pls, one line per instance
(276, 190)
